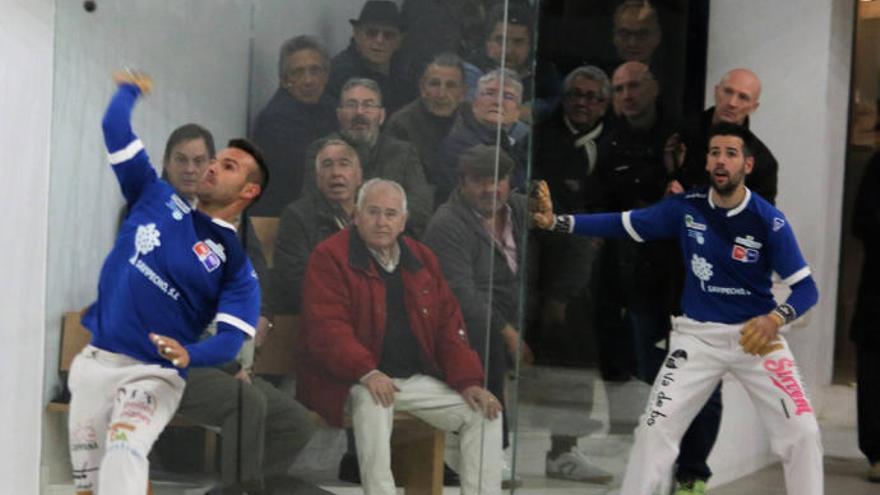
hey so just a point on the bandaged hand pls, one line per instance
(760, 335)
(139, 79)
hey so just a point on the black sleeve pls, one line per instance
(866, 213)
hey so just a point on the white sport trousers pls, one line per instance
(118, 408)
(435, 403)
(699, 355)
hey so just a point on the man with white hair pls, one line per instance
(496, 104)
(383, 332)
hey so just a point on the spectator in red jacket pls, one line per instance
(383, 332)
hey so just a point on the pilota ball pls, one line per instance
(90, 5)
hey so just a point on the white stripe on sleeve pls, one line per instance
(237, 323)
(628, 226)
(126, 153)
(797, 276)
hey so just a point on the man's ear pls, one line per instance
(250, 191)
(750, 164)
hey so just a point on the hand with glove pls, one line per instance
(760, 335)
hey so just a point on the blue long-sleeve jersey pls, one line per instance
(172, 270)
(729, 254)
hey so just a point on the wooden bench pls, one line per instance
(417, 448)
(74, 337)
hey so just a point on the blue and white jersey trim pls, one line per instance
(237, 323)
(797, 276)
(127, 153)
(625, 217)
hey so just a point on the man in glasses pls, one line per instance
(376, 37)
(360, 114)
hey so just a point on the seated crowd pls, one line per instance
(399, 176)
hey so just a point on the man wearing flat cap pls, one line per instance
(376, 36)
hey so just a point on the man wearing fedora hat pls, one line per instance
(376, 36)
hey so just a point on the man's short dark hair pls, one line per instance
(188, 132)
(297, 44)
(446, 59)
(480, 161)
(261, 174)
(729, 129)
(517, 14)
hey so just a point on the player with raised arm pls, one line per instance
(172, 271)
(732, 241)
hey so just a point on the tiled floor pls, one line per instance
(575, 402)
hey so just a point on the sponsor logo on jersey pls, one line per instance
(697, 236)
(207, 257)
(748, 241)
(178, 207)
(778, 223)
(702, 269)
(146, 239)
(744, 254)
(690, 223)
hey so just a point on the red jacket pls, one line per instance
(344, 322)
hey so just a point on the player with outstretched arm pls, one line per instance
(732, 241)
(172, 271)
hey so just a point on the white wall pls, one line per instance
(801, 51)
(26, 36)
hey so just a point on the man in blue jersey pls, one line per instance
(171, 272)
(732, 241)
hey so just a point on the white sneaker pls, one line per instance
(574, 466)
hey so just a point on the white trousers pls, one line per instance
(440, 406)
(118, 407)
(699, 355)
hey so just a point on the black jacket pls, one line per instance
(564, 167)
(865, 328)
(397, 91)
(283, 131)
(416, 125)
(466, 133)
(695, 135)
(304, 223)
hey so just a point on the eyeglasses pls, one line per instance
(389, 34)
(589, 96)
(354, 105)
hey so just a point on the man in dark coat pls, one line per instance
(866, 321)
(736, 98)
(376, 37)
(481, 125)
(425, 122)
(360, 116)
(298, 113)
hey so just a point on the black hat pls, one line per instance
(379, 12)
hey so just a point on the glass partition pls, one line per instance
(437, 340)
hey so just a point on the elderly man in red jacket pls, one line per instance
(383, 332)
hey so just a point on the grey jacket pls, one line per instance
(465, 251)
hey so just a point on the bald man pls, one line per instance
(737, 97)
